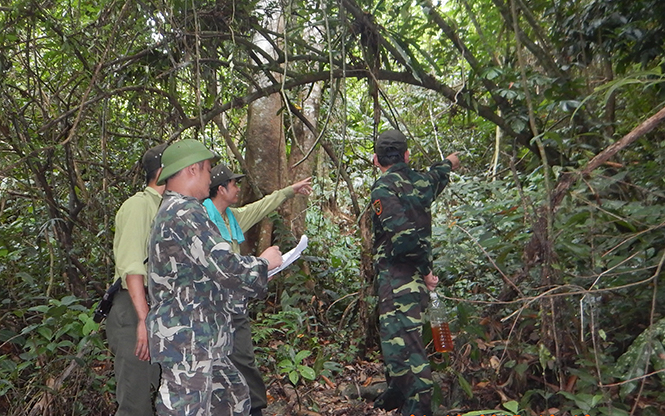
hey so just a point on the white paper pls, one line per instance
(290, 256)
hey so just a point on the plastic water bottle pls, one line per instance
(443, 342)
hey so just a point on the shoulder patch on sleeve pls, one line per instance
(378, 208)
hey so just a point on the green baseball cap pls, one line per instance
(389, 142)
(181, 154)
(220, 174)
(152, 158)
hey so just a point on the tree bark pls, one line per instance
(305, 139)
(266, 147)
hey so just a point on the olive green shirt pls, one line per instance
(133, 223)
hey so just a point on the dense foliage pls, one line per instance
(549, 241)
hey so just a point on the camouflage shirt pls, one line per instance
(246, 216)
(189, 266)
(402, 220)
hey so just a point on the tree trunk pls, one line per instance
(266, 160)
(302, 160)
(266, 148)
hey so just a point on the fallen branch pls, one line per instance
(54, 384)
(568, 179)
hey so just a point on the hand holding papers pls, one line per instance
(290, 257)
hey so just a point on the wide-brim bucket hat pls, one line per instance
(181, 154)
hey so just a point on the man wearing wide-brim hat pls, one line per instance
(190, 266)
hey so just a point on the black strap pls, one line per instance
(104, 306)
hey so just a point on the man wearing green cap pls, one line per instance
(232, 224)
(126, 329)
(401, 203)
(191, 268)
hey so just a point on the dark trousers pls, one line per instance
(243, 358)
(133, 377)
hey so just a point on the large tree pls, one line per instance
(558, 91)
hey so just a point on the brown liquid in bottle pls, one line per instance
(443, 342)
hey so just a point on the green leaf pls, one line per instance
(658, 358)
(581, 250)
(402, 48)
(57, 311)
(302, 355)
(294, 377)
(521, 368)
(513, 406)
(89, 327)
(602, 335)
(567, 395)
(27, 278)
(544, 356)
(28, 329)
(286, 365)
(65, 329)
(584, 401)
(65, 344)
(636, 358)
(596, 399)
(307, 372)
(465, 385)
(491, 242)
(6, 363)
(46, 332)
(68, 300)
(39, 308)
(492, 73)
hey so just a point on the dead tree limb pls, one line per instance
(569, 179)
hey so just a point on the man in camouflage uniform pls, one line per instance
(190, 266)
(232, 224)
(401, 200)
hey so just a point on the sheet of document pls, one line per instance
(290, 256)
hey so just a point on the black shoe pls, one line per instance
(390, 400)
(256, 412)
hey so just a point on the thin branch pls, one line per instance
(441, 22)
(652, 318)
(644, 376)
(503, 275)
(333, 157)
(543, 57)
(93, 80)
(239, 157)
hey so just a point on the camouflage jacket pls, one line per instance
(246, 216)
(402, 220)
(189, 268)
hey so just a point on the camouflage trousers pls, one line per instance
(402, 301)
(202, 389)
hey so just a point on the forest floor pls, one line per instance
(352, 395)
